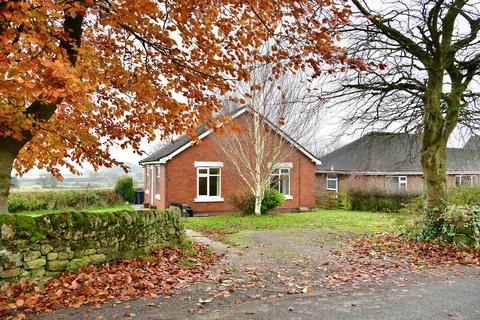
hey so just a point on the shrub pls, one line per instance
(271, 200)
(458, 196)
(246, 202)
(26, 202)
(331, 200)
(457, 225)
(465, 196)
(378, 201)
(124, 188)
(61, 200)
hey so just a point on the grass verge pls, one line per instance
(218, 227)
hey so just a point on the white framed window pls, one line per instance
(465, 180)
(396, 183)
(332, 182)
(157, 182)
(209, 181)
(280, 179)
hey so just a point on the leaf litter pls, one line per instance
(160, 273)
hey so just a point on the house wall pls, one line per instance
(179, 178)
(371, 182)
(366, 183)
(151, 189)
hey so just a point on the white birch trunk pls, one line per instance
(259, 160)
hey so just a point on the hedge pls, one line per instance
(377, 201)
(62, 200)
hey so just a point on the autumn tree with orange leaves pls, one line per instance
(81, 77)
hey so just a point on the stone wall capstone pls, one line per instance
(47, 244)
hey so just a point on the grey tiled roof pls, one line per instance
(473, 143)
(392, 152)
(170, 148)
(461, 159)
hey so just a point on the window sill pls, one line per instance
(330, 189)
(288, 197)
(208, 199)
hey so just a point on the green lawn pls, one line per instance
(351, 221)
(120, 207)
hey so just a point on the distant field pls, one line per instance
(65, 188)
(69, 185)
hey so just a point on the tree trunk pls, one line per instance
(258, 190)
(434, 168)
(8, 152)
(434, 144)
(259, 153)
(258, 203)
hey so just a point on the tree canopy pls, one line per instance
(79, 77)
(426, 76)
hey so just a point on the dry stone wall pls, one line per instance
(47, 244)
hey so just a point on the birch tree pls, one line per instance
(280, 110)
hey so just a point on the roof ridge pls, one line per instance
(170, 150)
(394, 152)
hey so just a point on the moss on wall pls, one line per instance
(56, 242)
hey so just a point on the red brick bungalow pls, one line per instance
(201, 176)
(390, 163)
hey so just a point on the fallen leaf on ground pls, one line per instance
(372, 258)
(205, 301)
(160, 273)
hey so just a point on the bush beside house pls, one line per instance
(331, 200)
(373, 201)
(246, 202)
(394, 202)
(457, 223)
(465, 196)
(124, 188)
(377, 201)
(55, 242)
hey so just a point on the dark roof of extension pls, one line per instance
(383, 152)
(473, 143)
(184, 139)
